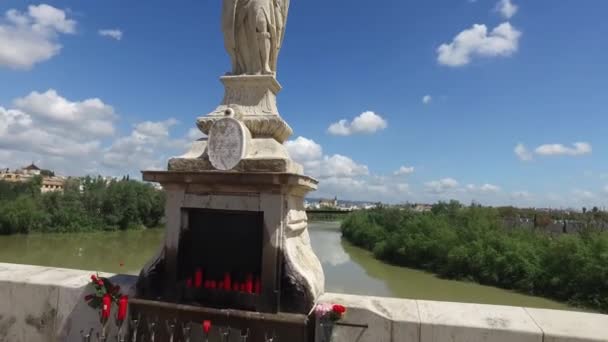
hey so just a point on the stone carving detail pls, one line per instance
(253, 34)
(227, 143)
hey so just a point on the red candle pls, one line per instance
(123, 303)
(189, 283)
(212, 284)
(227, 281)
(249, 283)
(236, 286)
(220, 285)
(207, 284)
(198, 278)
(206, 326)
(258, 285)
(106, 306)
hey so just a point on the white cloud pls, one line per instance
(140, 149)
(506, 8)
(111, 33)
(606, 189)
(79, 137)
(194, 134)
(522, 152)
(32, 37)
(427, 99)
(578, 149)
(503, 40)
(483, 189)
(366, 123)
(404, 170)
(441, 186)
(48, 124)
(303, 150)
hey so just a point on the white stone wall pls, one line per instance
(46, 304)
(404, 320)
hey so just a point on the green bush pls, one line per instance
(86, 204)
(471, 243)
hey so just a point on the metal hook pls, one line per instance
(245, 336)
(86, 337)
(170, 329)
(270, 339)
(186, 331)
(225, 334)
(135, 326)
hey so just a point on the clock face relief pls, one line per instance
(226, 143)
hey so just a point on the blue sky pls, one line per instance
(495, 74)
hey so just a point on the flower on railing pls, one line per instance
(330, 312)
(104, 296)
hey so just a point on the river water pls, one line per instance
(347, 268)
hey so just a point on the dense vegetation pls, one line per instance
(470, 243)
(86, 204)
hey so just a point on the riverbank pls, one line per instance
(348, 269)
(470, 244)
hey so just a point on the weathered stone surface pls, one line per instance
(228, 140)
(388, 319)
(253, 34)
(565, 326)
(253, 99)
(30, 295)
(460, 322)
(279, 196)
(263, 155)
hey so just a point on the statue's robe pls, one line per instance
(240, 23)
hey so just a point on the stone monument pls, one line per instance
(241, 168)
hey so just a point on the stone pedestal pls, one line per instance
(243, 166)
(252, 101)
(292, 276)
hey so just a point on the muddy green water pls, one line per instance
(347, 268)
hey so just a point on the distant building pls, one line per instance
(31, 169)
(25, 174)
(52, 184)
(331, 203)
(423, 208)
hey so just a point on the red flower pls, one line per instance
(106, 307)
(93, 278)
(88, 297)
(123, 303)
(99, 282)
(339, 309)
(206, 326)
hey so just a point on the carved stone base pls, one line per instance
(290, 269)
(253, 99)
(263, 155)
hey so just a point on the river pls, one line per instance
(347, 268)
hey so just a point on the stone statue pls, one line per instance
(253, 34)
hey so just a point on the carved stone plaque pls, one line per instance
(227, 143)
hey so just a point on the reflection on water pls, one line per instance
(347, 268)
